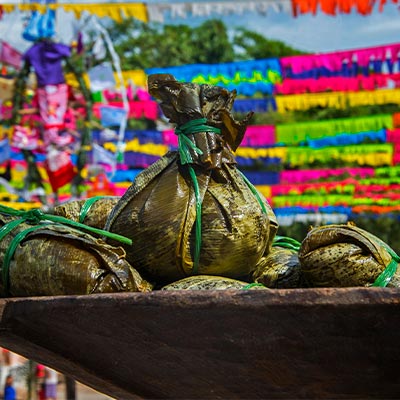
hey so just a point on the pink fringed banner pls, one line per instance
(393, 136)
(396, 151)
(348, 186)
(326, 187)
(137, 109)
(259, 135)
(169, 138)
(316, 174)
(334, 61)
(338, 84)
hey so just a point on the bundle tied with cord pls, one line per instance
(346, 255)
(280, 268)
(193, 212)
(48, 255)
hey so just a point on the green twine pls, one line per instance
(251, 285)
(198, 221)
(387, 274)
(286, 242)
(35, 216)
(7, 228)
(185, 145)
(254, 191)
(87, 205)
(196, 126)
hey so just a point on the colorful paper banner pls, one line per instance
(336, 61)
(295, 133)
(247, 77)
(116, 11)
(337, 84)
(339, 100)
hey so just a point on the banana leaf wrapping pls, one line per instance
(49, 259)
(193, 212)
(92, 211)
(205, 282)
(280, 269)
(346, 256)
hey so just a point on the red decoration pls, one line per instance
(334, 7)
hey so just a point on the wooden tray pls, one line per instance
(277, 344)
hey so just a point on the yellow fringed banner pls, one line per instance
(312, 200)
(381, 96)
(135, 146)
(115, 11)
(306, 101)
(366, 154)
(137, 76)
(340, 100)
(251, 152)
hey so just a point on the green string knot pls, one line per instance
(185, 144)
(34, 216)
(196, 126)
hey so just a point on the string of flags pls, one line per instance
(160, 12)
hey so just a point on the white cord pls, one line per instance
(117, 66)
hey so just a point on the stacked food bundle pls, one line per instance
(345, 256)
(45, 255)
(193, 212)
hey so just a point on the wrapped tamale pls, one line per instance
(193, 212)
(46, 259)
(210, 282)
(92, 211)
(280, 269)
(345, 256)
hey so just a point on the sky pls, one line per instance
(319, 33)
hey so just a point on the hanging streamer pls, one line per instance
(336, 61)
(247, 77)
(339, 100)
(116, 11)
(295, 133)
(159, 12)
(117, 65)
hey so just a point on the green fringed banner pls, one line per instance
(300, 131)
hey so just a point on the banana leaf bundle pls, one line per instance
(41, 258)
(345, 256)
(209, 282)
(281, 268)
(192, 211)
(92, 211)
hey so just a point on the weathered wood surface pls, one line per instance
(281, 344)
